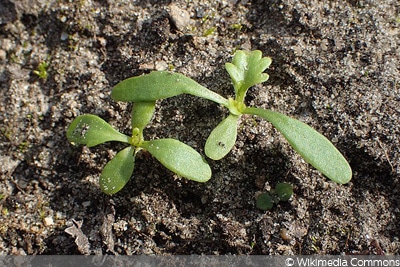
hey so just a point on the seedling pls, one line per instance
(41, 70)
(282, 192)
(246, 70)
(90, 130)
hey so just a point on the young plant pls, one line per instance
(282, 192)
(246, 70)
(41, 70)
(90, 130)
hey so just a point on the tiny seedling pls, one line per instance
(41, 70)
(90, 130)
(282, 192)
(246, 70)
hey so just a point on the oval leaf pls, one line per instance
(142, 112)
(117, 171)
(222, 138)
(159, 85)
(315, 148)
(284, 191)
(179, 158)
(91, 130)
(264, 201)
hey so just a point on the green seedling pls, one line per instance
(41, 70)
(265, 201)
(282, 192)
(209, 31)
(90, 130)
(246, 70)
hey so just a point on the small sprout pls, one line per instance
(284, 191)
(23, 146)
(397, 19)
(237, 26)
(265, 201)
(209, 31)
(4, 211)
(205, 18)
(171, 67)
(41, 70)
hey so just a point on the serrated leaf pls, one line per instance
(247, 70)
(179, 158)
(315, 148)
(117, 171)
(222, 138)
(91, 130)
(159, 85)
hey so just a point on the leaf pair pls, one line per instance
(173, 154)
(178, 157)
(315, 148)
(282, 192)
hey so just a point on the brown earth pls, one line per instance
(336, 66)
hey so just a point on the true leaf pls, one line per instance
(247, 70)
(142, 112)
(117, 171)
(222, 138)
(91, 130)
(159, 85)
(179, 158)
(315, 148)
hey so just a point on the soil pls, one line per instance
(336, 66)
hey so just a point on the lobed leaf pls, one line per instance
(247, 70)
(159, 85)
(179, 158)
(91, 130)
(117, 171)
(315, 148)
(222, 138)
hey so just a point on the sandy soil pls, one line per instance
(336, 66)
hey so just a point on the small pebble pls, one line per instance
(285, 235)
(86, 204)
(3, 55)
(179, 17)
(64, 36)
(48, 221)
